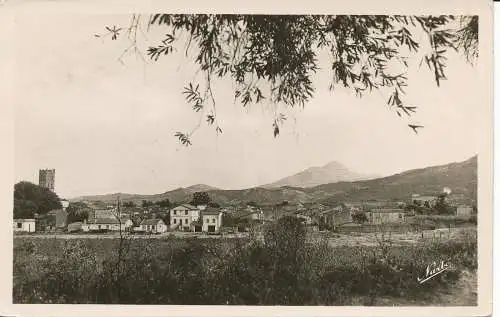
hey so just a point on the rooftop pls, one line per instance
(332, 210)
(211, 211)
(388, 210)
(150, 221)
(187, 206)
(106, 221)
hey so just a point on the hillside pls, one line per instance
(330, 173)
(178, 195)
(460, 177)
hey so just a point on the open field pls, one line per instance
(282, 270)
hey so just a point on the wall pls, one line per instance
(385, 217)
(159, 228)
(394, 227)
(337, 218)
(95, 227)
(28, 226)
(464, 211)
(213, 220)
(179, 214)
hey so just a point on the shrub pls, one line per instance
(283, 269)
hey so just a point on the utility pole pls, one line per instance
(118, 210)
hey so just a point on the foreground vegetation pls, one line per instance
(283, 269)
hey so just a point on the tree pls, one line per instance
(272, 58)
(129, 204)
(442, 207)
(30, 199)
(359, 217)
(166, 218)
(77, 211)
(287, 235)
(24, 209)
(228, 220)
(146, 203)
(213, 204)
(285, 241)
(165, 203)
(201, 198)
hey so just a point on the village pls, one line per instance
(417, 213)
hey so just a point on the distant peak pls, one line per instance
(200, 187)
(334, 164)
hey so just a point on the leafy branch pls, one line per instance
(280, 52)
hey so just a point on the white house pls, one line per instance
(111, 224)
(211, 219)
(464, 210)
(182, 216)
(153, 226)
(25, 225)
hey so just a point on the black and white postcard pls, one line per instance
(248, 159)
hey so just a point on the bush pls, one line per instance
(283, 269)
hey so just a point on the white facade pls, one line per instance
(464, 211)
(182, 216)
(195, 215)
(101, 224)
(153, 226)
(24, 225)
(211, 222)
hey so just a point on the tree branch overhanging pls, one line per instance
(369, 52)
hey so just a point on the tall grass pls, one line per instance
(283, 269)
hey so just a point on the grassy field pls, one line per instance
(284, 269)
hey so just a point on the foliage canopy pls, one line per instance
(272, 58)
(31, 199)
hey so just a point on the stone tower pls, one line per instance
(47, 178)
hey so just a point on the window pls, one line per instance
(213, 220)
(208, 220)
(107, 226)
(185, 221)
(175, 212)
(175, 221)
(186, 212)
(99, 226)
(19, 225)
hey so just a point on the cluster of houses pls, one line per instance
(54, 219)
(184, 217)
(202, 218)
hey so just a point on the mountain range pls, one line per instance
(460, 177)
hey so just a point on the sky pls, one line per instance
(107, 126)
